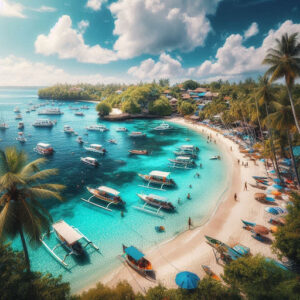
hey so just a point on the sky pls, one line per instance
(44, 42)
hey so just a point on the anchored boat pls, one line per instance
(95, 148)
(182, 162)
(68, 129)
(105, 194)
(163, 126)
(21, 138)
(100, 128)
(137, 134)
(158, 178)
(138, 152)
(43, 123)
(50, 111)
(90, 161)
(44, 149)
(121, 129)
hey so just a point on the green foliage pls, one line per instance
(17, 283)
(287, 238)
(190, 85)
(259, 279)
(164, 82)
(131, 106)
(186, 108)
(160, 107)
(103, 108)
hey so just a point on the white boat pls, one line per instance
(21, 138)
(137, 134)
(163, 126)
(44, 149)
(121, 129)
(216, 157)
(69, 237)
(100, 128)
(18, 117)
(68, 129)
(79, 140)
(158, 178)
(4, 125)
(17, 109)
(79, 113)
(27, 110)
(50, 111)
(182, 162)
(21, 125)
(89, 161)
(43, 123)
(95, 148)
(188, 149)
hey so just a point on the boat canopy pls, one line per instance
(108, 190)
(134, 253)
(183, 158)
(91, 158)
(157, 197)
(44, 145)
(159, 174)
(68, 233)
(96, 145)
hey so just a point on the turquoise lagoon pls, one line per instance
(117, 170)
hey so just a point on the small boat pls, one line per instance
(137, 134)
(18, 117)
(210, 273)
(248, 223)
(216, 157)
(154, 201)
(44, 149)
(95, 148)
(4, 125)
(112, 141)
(79, 140)
(21, 138)
(79, 113)
(17, 109)
(84, 107)
(50, 111)
(138, 152)
(69, 238)
(43, 123)
(90, 161)
(163, 126)
(158, 178)
(121, 129)
(136, 260)
(27, 110)
(188, 149)
(160, 228)
(100, 128)
(68, 129)
(183, 162)
(105, 194)
(21, 125)
(184, 153)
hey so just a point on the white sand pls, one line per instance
(189, 250)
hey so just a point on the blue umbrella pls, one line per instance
(277, 180)
(187, 280)
(274, 210)
(262, 159)
(272, 172)
(277, 186)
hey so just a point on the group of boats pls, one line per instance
(185, 157)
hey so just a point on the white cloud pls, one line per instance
(11, 9)
(251, 31)
(95, 4)
(166, 67)
(155, 26)
(83, 25)
(44, 8)
(17, 71)
(232, 61)
(67, 42)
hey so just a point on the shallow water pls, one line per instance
(117, 170)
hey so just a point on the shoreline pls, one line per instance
(224, 223)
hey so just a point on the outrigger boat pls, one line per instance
(44, 149)
(182, 162)
(138, 152)
(137, 134)
(158, 178)
(105, 194)
(188, 149)
(69, 238)
(156, 201)
(90, 161)
(95, 148)
(184, 153)
(210, 273)
(136, 260)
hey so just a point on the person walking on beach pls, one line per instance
(238, 161)
(190, 223)
(245, 186)
(235, 197)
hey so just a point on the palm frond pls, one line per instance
(32, 167)
(10, 179)
(41, 193)
(41, 175)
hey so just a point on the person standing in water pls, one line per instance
(190, 223)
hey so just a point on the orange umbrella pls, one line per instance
(262, 230)
(274, 229)
(276, 193)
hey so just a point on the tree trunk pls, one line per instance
(293, 158)
(27, 261)
(293, 107)
(258, 119)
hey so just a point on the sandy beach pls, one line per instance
(189, 250)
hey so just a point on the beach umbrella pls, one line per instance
(270, 199)
(277, 180)
(187, 280)
(262, 230)
(274, 210)
(276, 193)
(274, 228)
(272, 172)
(277, 186)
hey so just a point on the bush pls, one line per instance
(186, 108)
(131, 107)
(103, 109)
(160, 107)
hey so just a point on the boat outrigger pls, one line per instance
(105, 194)
(155, 201)
(158, 178)
(136, 260)
(69, 237)
(182, 162)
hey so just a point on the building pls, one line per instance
(174, 103)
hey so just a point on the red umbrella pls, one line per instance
(262, 230)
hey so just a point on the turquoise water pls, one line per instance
(117, 170)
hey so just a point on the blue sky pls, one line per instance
(44, 42)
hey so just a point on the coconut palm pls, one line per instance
(282, 120)
(22, 185)
(285, 62)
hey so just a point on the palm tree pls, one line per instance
(282, 120)
(265, 95)
(22, 185)
(285, 62)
